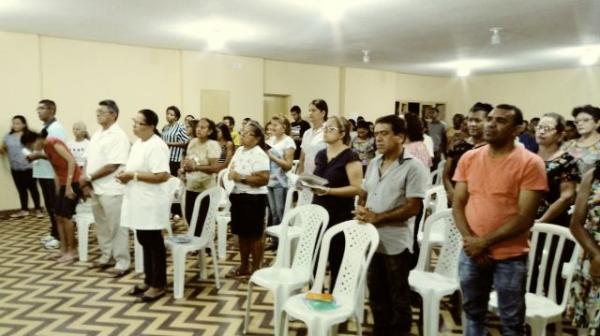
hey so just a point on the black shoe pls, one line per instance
(145, 298)
(137, 291)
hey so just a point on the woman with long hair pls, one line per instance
(226, 142)
(21, 169)
(146, 203)
(415, 144)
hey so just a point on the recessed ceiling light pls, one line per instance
(590, 56)
(332, 10)
(495, 39)
(463, 71)
(366, 57)
(465, 67)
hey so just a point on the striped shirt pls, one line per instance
(175, 133)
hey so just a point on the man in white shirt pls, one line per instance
(43, 171)
(107, 154)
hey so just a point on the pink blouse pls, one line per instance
(419, 151)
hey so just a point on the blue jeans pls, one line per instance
(508, 278)
(277, 197)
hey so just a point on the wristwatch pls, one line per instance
(243, 178)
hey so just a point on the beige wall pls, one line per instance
(534, 92)
(77, 74)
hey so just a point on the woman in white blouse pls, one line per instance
(146, 202)
(249, 169)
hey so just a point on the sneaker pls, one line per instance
(52, 244)
(46, 238)
(20, 214)
(39, 213)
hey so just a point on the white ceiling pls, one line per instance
(410, 36)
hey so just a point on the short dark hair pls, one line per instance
(479, 106)
(397, 123)
(50, 104)
(258, 133)
(296, 109)
(230, 119)
(518, 118)
(589, 109)
(30, 137)
(111, 106)
(534, 120)
(414, 127)
(150, 118)
(321, 105)
(175, 110)
(570, 123)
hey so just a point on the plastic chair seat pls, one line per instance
(293, 231)
(535, 306)
(296, 308)
(272, 277)
(432, 282)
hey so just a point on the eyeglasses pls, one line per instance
(545, 129)
(583, 120)
(331, 129)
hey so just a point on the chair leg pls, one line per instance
(248, 306)
(178, 272)
(538, 327)
(431, 317)
(201, 265)
(215, 265)
(222, 236)
(82, 237)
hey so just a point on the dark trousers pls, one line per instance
(190, 199)
(174, 167)
(49, 192)
(24, 182)
(389, 293)
(155, 257)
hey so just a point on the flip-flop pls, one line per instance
(236, 273)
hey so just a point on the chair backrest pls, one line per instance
(208, 229)
(224, 181)
(361, 241)
(305, 196)
(435, 200)
(313, 219)
(438, 173)
(441, 218)
(561, 235)
(447, 262)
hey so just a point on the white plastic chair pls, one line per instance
(433, 286)
(438, 173)
(223, 216)
(435, 200)
(206, 239)
(83, 218)
(294, 231)
(280, 279)
(542, 308)
(348, 291)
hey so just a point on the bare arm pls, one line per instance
(104, 171)
(301, 163)
(212, 167)
(567, 196)
(584, 238)
(256, 179)
(286, 162)
(395, 216)
(66, 155)
(355, 175)
(461, 196)
(447, 179)
(147, 177)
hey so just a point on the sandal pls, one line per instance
(237, 273)
(66, 258)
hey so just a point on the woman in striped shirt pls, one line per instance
(226, 143)
(174, 135)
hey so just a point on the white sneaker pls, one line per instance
(46, 238)
(52, 244)
(39, 214)
(20, 214)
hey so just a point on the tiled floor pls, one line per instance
(41, 297)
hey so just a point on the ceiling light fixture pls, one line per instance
(217, 32)
(366, 56)
(589, 56)
(463, 71)
(495, 39)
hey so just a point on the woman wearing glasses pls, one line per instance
(586, 149)
(146, 203)
(339, 165)
(249, 169)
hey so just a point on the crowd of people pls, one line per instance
(501, 174)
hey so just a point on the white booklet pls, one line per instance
(312, 181)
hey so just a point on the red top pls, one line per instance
(60, 165)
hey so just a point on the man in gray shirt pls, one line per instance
(393, 191)
(437, 131)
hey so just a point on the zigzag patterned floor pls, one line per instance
(41, 297)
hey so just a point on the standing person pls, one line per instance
(298, 127)
(281, 155)
(570, 131)
(227, 147)
(363, 144)
(235, 136)
(107, 153)
(392, 195)
(199, 166)
(146, 202)
(176, 138)
(312, 140)
(584, 301)
(340, 166)
(414, 142)
(457, 131)
(67, 176)
(42, 169)
(20, 168)
(249, 169)
(437, 130)
(475, 123)
(527, 137)
(586, 148)
(497, 193)
(79, 146)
